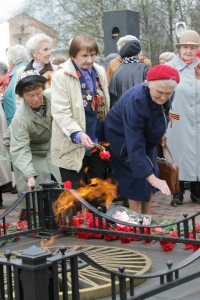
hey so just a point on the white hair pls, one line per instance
(169, 82)
(124, 40)
(3, 68)
(34, 43)
(17, 54)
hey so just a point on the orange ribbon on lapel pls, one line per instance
(173, 116)
(96, 100)
(49, 79)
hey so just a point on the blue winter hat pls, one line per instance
(131, 48)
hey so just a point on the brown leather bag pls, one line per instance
(169, 171)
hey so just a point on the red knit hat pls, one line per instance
(160, 72)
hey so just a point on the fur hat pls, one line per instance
(189, 37)
(167, 56)
(131, 48)
(125, 39)
(28, 77)
(160, 72)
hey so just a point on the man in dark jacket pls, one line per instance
(131, 72)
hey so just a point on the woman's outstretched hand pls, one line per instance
(159, 184)
(30, 182)
(86, 142)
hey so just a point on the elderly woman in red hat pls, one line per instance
(133, 127)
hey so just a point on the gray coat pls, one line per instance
(184, 136)
(28, 140)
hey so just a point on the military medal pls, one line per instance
(89, 97)
(83, 85)
(85, 103)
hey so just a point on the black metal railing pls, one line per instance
(183, 227)
(35, 275)
(41, 219)
(40, 216)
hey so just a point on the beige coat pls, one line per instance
(28, 140)
(69, 115)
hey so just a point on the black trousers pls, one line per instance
(195, 188)
(93, 167)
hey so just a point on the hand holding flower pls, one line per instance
(86, 142)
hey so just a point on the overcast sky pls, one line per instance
(6, 9)
(8, 6)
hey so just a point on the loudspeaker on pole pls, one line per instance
(118, 23)
(180, 28)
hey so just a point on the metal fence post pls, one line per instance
(34, 274)
(49, 196)
(122, 284)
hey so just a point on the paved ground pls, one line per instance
(161, 209)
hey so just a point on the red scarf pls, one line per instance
(189, 62)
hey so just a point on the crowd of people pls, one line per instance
(53, 115)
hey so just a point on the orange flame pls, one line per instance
(44, 243)
(97, 189)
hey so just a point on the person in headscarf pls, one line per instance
(166, 57)
(28, 137)
(116, 62)
(131, 71)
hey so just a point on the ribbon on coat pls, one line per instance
(173, 116)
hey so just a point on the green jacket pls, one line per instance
(28, 141)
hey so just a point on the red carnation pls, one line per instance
(197, 228)
(67, 184)
(75, 222)
(104, 155)
(188, 246)
(146, 232)
(174, 234)
(21, 225)
(136, 239)
(85, 235)
(167, 246)
(98, 236)
(110, 237)
(33, 234)
(80, 217)
(196, 247)
(82, 235)
(124, 240)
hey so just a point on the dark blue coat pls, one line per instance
(133, 127)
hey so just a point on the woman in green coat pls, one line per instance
(28, 136)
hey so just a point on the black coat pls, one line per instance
(125, 77)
